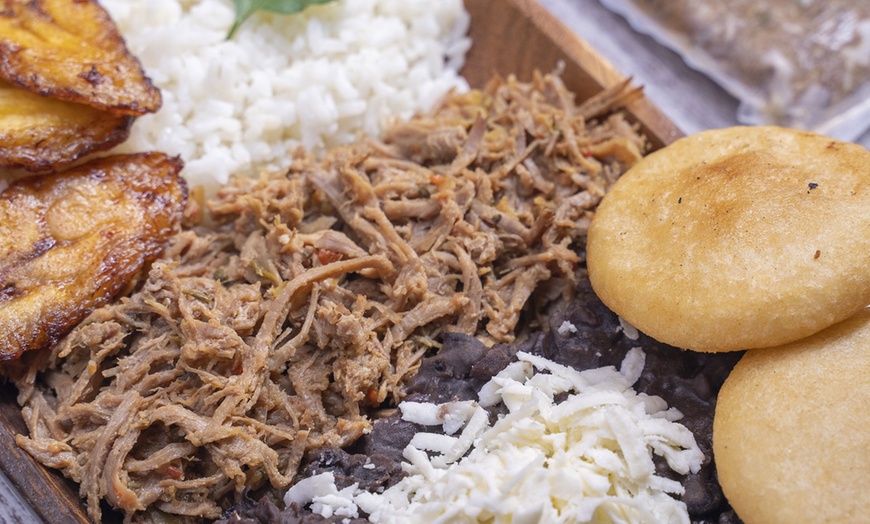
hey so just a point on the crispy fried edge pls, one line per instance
(48, 147)
(46, 332)
(11, 69)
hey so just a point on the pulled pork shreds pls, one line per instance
(273, 331)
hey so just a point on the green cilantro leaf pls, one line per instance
(245, 8)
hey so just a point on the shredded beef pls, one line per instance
(309, 298)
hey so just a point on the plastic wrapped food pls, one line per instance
(795, 63)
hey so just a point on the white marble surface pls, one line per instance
(13, 508)
(688, 98)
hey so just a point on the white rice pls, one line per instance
(316, 79)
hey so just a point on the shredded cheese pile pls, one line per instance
(573, 447)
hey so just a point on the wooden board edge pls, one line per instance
(510, 33)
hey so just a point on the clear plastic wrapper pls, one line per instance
(796, 63)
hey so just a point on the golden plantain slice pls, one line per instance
(71, 241)
(71, 50)
(37, 133)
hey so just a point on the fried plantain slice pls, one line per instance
(38, 133)
(71, 50)
(71, 241)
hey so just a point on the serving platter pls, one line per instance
(508, 37)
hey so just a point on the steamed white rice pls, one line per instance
(316, 79)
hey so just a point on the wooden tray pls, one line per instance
(508, 37)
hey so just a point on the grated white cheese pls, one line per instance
(586, 458)
(325, 498)
(567, 328)
(630, 331)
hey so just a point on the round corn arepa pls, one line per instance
(790, 431)
(736, 238)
